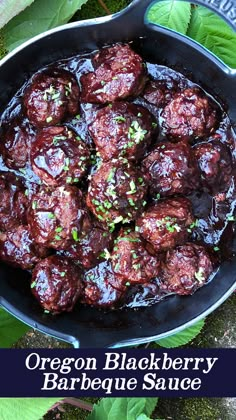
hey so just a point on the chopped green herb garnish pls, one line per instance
(199, 275)
(74, 233)
(119, 118)
(136, 132)
(51, 215)
(33, 284)
(48, 119)
(59, 229)
(62, 274)
(231, 218)
(216, 248)
(57, 237)
(34, 205)
(127, 283)
(131, 202)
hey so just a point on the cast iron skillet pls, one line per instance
(88, 327)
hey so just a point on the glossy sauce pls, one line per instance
(215, 213)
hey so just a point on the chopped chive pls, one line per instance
(59, 229)
(34, 205)
(74, 233)
(48, 119)
(33, 284)
(51, 216)
(62, 274)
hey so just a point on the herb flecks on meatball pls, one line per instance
(119, 73)
(116, 193)
(186, 268)
(122, 130)
(57, 284)
(90, 248)
(57, 216)
(59, 156)
(18, 248)
(50, 97)
(215, 165)
(166, 224)
(130, 260)
(191, 114)
(171, 169)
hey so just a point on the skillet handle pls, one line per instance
(226, 10)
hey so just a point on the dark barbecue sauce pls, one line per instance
(213, 209)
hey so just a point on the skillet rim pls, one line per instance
(228, 72)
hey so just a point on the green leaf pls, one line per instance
(10, 330)
(25, 408)
(11, 8)
(122, 408)
(37, 18)
(183, 337)
(211, 31)
(173, 14)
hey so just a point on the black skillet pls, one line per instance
(88, 327)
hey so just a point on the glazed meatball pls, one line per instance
(215, 164)
(116, 193)
(130, 260)
(160, 92)
(50, 97)
(91, 248)
(189, 115)
(166, 224)
(102, 289)
(119, 73)
(171, 169)
(122, 129)
(185, 269)
(57, 216)
(13, 202)
(16, 140)
(18, 249)
(57, 284)
(58, 156)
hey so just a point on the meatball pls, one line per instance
(18, 249)
(122, 129)
(13, 202)
(119, 73)
(91, 248)
(15, 143)
(171, 169)
(59, 156)
(57, 216)
(189, 115)
(185, 269)
(215, 164)
(130, 260)
(116, 193)
(102, 289)
(57, 284)
(166, 224)
(50, 97)
(160, 92)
